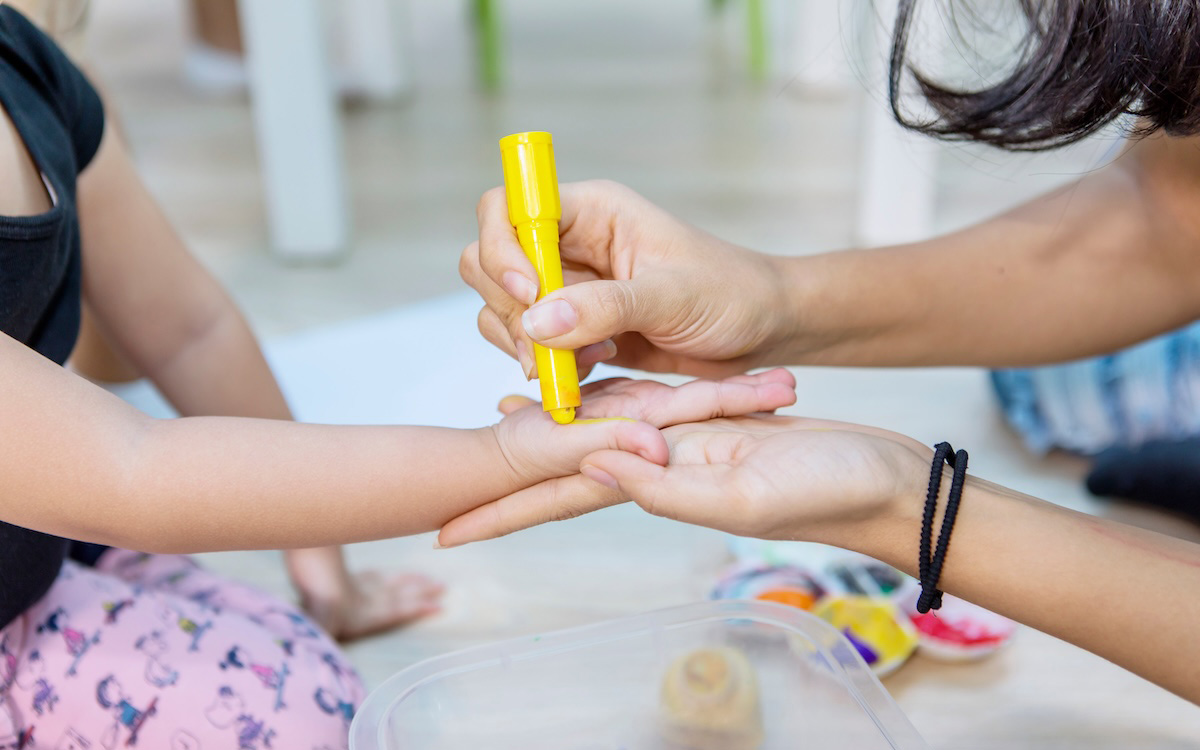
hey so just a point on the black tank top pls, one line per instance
(59, 117)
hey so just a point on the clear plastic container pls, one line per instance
(601, 687)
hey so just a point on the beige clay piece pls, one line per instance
(710, 702)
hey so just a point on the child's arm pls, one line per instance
(158, 305)
(177, 326)
(78, 462)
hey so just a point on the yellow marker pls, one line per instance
(534, 209)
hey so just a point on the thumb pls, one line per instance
(593, 311)
(691, 493)
(512, 403)
(556, 450)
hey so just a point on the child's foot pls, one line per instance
(373, 603)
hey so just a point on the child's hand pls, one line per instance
(537, 448)
(544, 457)
(763, 476)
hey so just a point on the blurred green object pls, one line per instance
(756, 38)
(488, 42)
(756, 34)
(487, 36)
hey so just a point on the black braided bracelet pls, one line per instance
(930, 566)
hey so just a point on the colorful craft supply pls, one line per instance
(959, 631)
(783, 584)
(874, 606)
(883, 636)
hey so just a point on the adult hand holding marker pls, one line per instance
(642, 289)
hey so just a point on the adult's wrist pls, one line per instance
(808, 319)
(785, 294)
(891, 532)
(855, 307)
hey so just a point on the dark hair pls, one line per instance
(1081, 65)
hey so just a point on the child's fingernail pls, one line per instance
(525, 360)
(550, 319)
(594, 353)
(600, 477)
(438, 545)
(521, 288)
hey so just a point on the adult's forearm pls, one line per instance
(1089, 268)
(1117, 591)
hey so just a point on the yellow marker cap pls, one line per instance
(534, 209)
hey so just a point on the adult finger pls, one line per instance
(593, 311)
(593, 354)
(500, 254)
(492, 329)
(774, 375)
(506, 310)
(693, 493)
(553, 500)
(702, 400)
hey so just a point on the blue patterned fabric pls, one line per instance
(1150, 391)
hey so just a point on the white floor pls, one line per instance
(632, 91)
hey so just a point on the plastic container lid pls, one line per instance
(722, 675)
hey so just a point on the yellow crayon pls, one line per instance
(534, 210)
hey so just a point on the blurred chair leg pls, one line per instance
(897, 183)
(897, 168)
(375, 47)
(487, 30)
(298, 127)
(756, 38)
